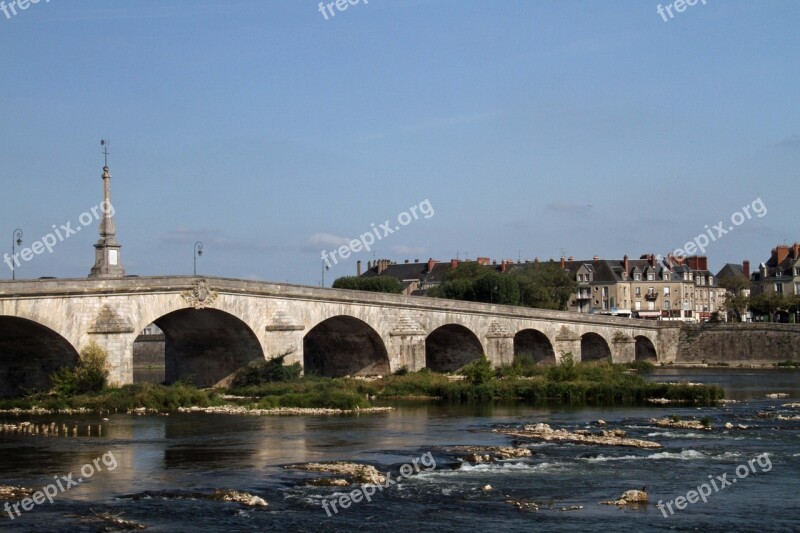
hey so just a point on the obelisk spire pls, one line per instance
(107, 262)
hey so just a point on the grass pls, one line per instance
(150, 396)
(593, 383)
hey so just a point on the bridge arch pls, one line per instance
(645, 349)
(536, 344)
(204, 346)
(450, 347)
(594, 347)
(344, 346)
(29, 354)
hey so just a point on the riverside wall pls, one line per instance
(738, 344)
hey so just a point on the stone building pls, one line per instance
(780, 273)
(646, 287)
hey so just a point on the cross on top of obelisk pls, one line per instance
(104, 143)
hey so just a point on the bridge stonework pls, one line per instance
(231, 322)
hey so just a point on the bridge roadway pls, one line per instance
(214, 326)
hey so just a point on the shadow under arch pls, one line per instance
(29, 354)
(645, 349)
(536, 344)
(205, 346)
(344, 346)
(594, 347)
(451, 347)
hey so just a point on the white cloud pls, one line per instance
(407, 250)
(327, 239)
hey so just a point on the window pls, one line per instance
(666, 276)
(605, 292)
(637, 305)
(797, 271)
(779, 288)
(638, 291)
(637, 277)
(667, 305)
(651, 277)
(797, 288)
(651, 306)
(651, 290)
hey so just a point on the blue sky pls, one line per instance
(271, 134)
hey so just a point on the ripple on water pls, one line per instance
(685, 455)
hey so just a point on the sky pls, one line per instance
(271, 131)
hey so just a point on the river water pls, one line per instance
(152, 468)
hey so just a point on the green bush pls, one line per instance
(479, 371)
(566, 371)
(271, 371)
(89, 375)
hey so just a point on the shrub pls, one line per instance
(402, 371)
(479, 371)
(271, 371)
(566, 371)
(89, 375)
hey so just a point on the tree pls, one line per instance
(736, 300)
(373, 284)
(768, 303)
(475, 283)
(90, 374)
(545, 286)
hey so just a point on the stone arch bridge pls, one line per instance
(214, 326)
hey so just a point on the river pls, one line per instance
(151, 468)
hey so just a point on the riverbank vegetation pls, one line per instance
(272, 384)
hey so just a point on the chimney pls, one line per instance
(570, 258)
(782, 252)
(652, 260)
(503, 266)
(562, 262)
(369, 265)
(625, 264)
(431, 263)
(406, 261)
(746, 269)
(536, 262)
(382, 265)
(796, 251)
(358, 267)
(703, 262)
(596, 258)
(483, 261)
(454, 263)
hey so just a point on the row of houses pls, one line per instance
(648, 287)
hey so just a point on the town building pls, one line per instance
(780, 274)
(670, 288)
(648, 287)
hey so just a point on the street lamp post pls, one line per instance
(324, 268)
(16, 241)
(198, 252)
